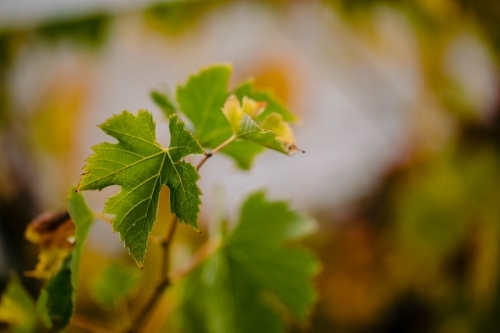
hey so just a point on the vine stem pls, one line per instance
(103, 217)
(208, 155)
(165, 279)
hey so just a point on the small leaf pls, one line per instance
(273, 133)
(17, 309)
(250, 131)
(230, 291)
(164, 102)
(272, 105)
(233, 112)
(253, 108)
(57, 300)
(274, 122)
(141, 167)
(114, 284)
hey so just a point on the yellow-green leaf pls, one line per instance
(17, 309)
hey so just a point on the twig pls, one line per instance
(164, 279)
(208, 155)
(203, 253)
(166, 246)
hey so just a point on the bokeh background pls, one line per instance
(400, 117)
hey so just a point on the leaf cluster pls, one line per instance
(249, 280)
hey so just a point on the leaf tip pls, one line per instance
(294, 149)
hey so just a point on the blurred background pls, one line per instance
(400, 117)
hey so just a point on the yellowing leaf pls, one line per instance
(273, 133)
(141, 167)
(233, 112)
(253, 108)
(53, 233)
(57, 300)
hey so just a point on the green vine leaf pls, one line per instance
(57, 300)
(141, 167)
(202, 98)
(247, 283)
(17, 309)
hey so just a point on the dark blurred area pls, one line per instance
(400, 109)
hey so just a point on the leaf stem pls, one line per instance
(215, 150)
(103, 217)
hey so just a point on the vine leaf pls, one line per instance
(57, 300)
(141, 167)
(17, 309)
(243, 286)
(201, 99)
(272, 133)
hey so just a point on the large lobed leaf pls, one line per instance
(57, 300)
(201, 99)
(141, 167)
(253, 274)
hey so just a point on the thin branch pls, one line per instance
(150, 305)
(208, 155)
(205, 251)
(164, 279)
(103, 217)
(166, 246)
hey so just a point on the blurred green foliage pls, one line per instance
(115, 284)
(17, 309)
(176, 17)
(90, 31)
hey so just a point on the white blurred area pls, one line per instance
(357, 98)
